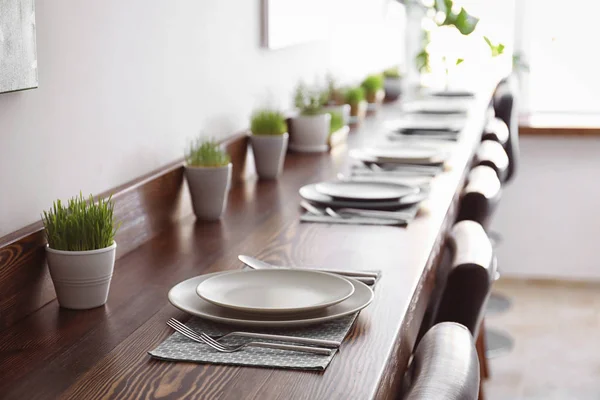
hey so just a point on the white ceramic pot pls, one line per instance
(343, 109)
(269, 154)
(81, 278)
(209, 187)
(393, 88)
(310, 133)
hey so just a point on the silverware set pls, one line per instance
(366, 277)
(379, 217)
(327, 348)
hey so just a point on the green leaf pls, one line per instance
(495, 49)
(459, 61)
(465, 23)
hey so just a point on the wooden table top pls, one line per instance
(102, 353)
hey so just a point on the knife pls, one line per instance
(258, 264)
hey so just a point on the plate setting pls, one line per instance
(310, 193)
(184, 297)
(275, 291)
(365, 191)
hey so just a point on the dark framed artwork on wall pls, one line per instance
(18, 56)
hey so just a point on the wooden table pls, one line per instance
(102, 353)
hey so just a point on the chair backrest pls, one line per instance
(481, 196)
(492, 154)
(496, 129)
(469, 282)
(444, 366)
(506, 108)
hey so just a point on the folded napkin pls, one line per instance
(179, 348)
(327, 219)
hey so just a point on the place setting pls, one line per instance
(266, 315)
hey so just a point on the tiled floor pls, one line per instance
(549, 215)
(556, 327)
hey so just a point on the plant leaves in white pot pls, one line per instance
(310, 133)
(209, 187)
(81, 278)
(269, 154)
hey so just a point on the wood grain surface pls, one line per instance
(102, 353)
(144, 207)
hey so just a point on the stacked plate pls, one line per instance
(370, 195)
(407, 155)
(271, 298)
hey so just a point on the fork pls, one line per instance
(207, 340)
(349, 213)
(263, 336)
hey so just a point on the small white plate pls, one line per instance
(310, 193)
(365, 157)
(184, 297)
(429, 124)
(364, 191)
(445, 106)
(412, 153)
(275, 291)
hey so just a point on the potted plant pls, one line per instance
(269, 142)
(208, 174)
(392, 83)
(374, 93)
(335, 100)
(338, 130)
(81, 250)
(355, 97)
(310, 128)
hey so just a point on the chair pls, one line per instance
(496, 130)
(492, 154)
(481, 196)
(469, 283)
(444, 366)
(506, 109)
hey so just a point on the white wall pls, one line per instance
(125, 84)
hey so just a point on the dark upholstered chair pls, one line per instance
(496, 130)
(444, 366)
(469, 282)
(506, 108)
(492, 154)
(481, 196)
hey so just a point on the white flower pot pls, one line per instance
(310, 133)
(269, 154)
(343, 109)
(81, 278)
(209, 187)
(393, 88)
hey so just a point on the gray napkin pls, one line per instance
(179, 348)
(327, 219)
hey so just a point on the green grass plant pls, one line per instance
(337, 121)
(268, 123)
(81, 224)
(392, 73)
(310, 101)
(354, 95)
(372, 84)
(206, 153)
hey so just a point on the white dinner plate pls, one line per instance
(433, 125)
(406, 152)
(434, 106)
(184, 297)
(366, 157)
(364, 191)
(275, 291)
(310, 193)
